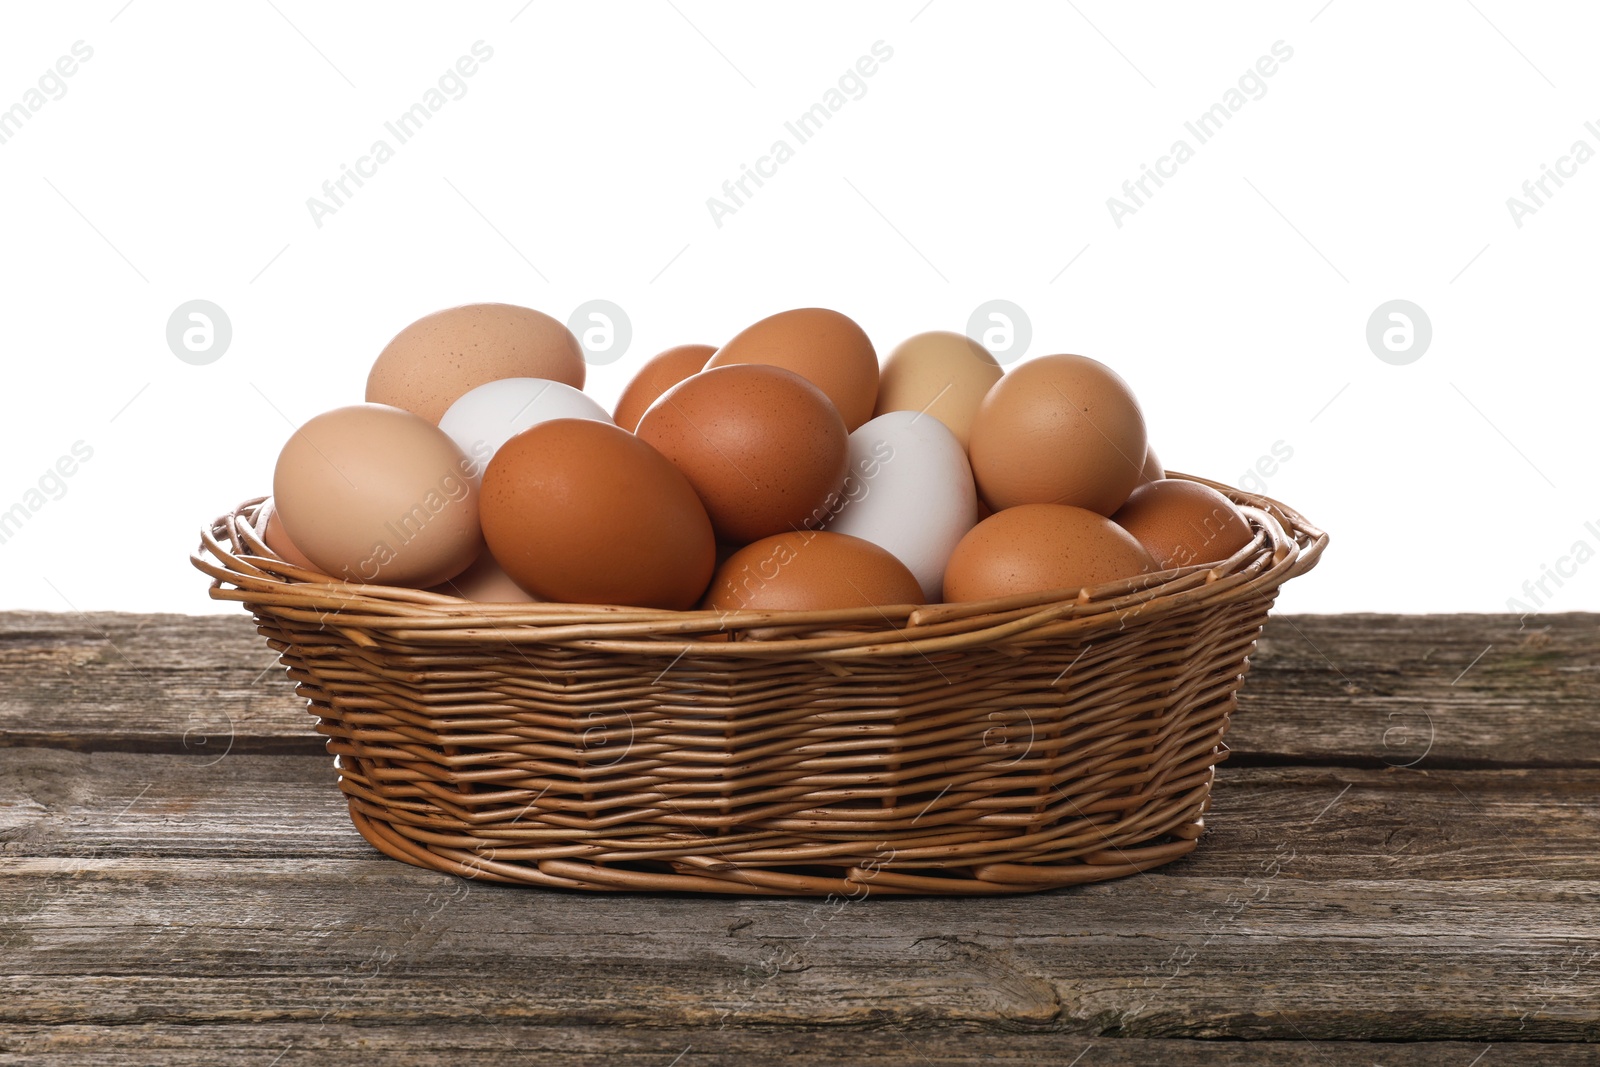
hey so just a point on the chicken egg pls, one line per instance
(1182, 522)
(430, 363)
(659, 373)
(1035, 548)
(762, 446)
(269, 527)
(581, 511)
(811, 570)
(1152, 469)
(371, 493)
(486, 417)
(942, 374)
(822, 346)
(485, 582)
(1058, 430)
(909, 490)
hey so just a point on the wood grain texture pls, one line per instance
(1338, 822)
(1353, 690)
(1423, 690)
(180, 883)
(196, 942)
(451, 1045)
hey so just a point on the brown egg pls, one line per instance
(583, 512)
(763, 447)
(811, 570)
(1182, 522)
(1152, 470)
(943, 374)
(824, 347)
(1058, 430)
(660, 373)
(1035, 548)
(371, 493)
(432, 362)
(485, 582)
(269, 525)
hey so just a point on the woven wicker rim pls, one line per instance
(244, 569)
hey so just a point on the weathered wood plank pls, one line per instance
(198, 685)
(92, 941)
(1336, 823)
(628, 1046)
(1363, 690)
(1424, 690)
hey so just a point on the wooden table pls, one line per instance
(1404, 847)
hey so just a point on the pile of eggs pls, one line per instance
(784, 470)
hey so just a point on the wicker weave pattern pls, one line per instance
(1011, 746)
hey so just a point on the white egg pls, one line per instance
(909, 490)
(485, 418)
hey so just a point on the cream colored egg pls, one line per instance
(371, 493)
(485, 582)
(942, 373)
(436, 359)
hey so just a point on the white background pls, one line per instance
(178, 163)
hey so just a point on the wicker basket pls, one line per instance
(1004, 747)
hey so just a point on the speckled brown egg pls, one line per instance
(822, 346)
(1182, 522)
(940, 373)
(659, 373)
(1035, 548)
(583, 512)
(762, 446)
(1058, 430)
(431, 363)
(811, 570)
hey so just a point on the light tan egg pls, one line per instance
(431, 363)
(485, 582)
(269, 525)
(940, 373)
(371, 493)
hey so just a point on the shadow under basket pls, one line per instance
(1007, 746)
